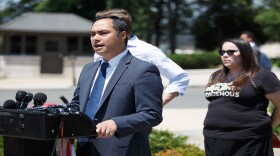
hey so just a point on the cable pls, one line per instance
(61, 128)
(62, 134)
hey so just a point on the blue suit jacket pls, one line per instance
(132, 98)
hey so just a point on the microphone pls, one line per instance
(20, 95)
(10, 104)
(70, 107)
(63, 99)
(39, 99)
(28, 98)
(54, 109)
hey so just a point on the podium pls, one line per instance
(33, 133)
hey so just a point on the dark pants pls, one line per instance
(248, 147)
(86, 150)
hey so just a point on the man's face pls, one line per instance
(246, 37)
(105, 40)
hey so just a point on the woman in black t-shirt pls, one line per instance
(237, 122)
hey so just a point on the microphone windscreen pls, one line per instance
(10, 104)
(20, 95)
(28, 98)
(39, 99)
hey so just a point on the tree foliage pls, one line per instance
(158, 21)
(223, 19)
(269, 19)
(139, 11)
(84, 8)
(15, 8)
(152, 18)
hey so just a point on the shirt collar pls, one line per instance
(252, 44)
(132, 41)
(115, 61)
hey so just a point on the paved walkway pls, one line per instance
(185, 121)
(198, 77)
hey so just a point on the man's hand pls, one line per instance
(166, 97)
(106, 129)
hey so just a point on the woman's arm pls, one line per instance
(275, 99)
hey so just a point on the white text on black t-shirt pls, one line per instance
(220, 89)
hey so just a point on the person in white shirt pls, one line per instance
(178, 78)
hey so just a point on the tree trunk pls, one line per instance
(172, 9)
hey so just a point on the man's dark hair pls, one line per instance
(119, 12)
(249, 34)
(246, 53)
(249, 65)
(118, 24)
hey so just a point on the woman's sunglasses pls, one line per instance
(229, 52)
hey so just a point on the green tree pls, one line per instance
(169, 17)
(84, 8)
(155, 19)
(15, 8)
(219, 19)
(269, 19)
(178, 12)
(139, 11)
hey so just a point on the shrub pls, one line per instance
(169, 153)
(197, 60)
(1, 146)
(276, 62)
(277, 128)
(165, 143)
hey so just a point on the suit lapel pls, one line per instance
(123, 65)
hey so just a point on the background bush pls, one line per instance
(277, 128)
(166, 143)
(276, 62)
(204, 60)
(197, 60)
(1, 146)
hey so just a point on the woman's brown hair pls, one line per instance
(250, 66)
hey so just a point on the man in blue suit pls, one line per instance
(131, 100)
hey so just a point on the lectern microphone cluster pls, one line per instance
(23, 98)
(34, 130)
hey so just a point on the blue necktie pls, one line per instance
(96, 92)
(95, 97)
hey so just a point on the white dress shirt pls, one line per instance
(178, 78)
(113, 63)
